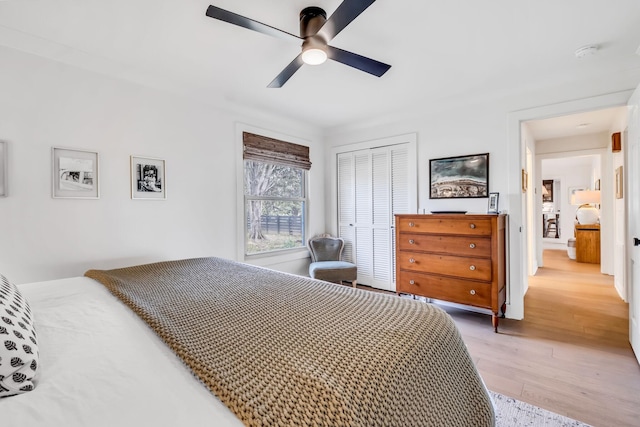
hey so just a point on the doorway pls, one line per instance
(518, 225)
(571, 160)
(563, 174)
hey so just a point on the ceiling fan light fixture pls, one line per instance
(314, 56)
(316, 31)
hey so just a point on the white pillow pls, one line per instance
(18, 345)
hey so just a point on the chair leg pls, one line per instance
(354, 283)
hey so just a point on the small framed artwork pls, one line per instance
(493, 203)
(148, 178)
(461, 177)
(75, 174)
(619, 181)
(547, 190)
(525, 181)
(597, 186)
(572, 192)
(3, 169)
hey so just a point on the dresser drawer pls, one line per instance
(457, 245)
(448, 265)
(444, 288)
(447, 225)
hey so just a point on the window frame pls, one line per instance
(304, 199)
(279, 255)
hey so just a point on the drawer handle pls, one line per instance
(411, 241)
(411, 260)
(472, 225)
(412, 282)
(472, 268)
(472, 246)
(472, 291)
(411, 224)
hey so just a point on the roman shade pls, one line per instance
(263, 149)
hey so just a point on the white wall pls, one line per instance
(572, 143)
(45, 104)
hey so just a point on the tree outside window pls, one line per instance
(275, 198)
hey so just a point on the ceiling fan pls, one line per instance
(316, 31)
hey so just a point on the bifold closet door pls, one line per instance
(372, 187)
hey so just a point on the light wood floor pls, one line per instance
(570, 354)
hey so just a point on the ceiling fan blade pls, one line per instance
(234, 18)
(286, 74)
(354, 60)
(343, 15)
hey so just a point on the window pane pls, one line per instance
(269, 179)
(274, 225)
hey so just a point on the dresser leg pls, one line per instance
(494, 322)
(504, 310)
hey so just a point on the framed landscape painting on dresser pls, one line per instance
(461, 177)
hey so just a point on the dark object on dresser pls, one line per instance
(456, 258)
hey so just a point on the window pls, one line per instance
(275, 194)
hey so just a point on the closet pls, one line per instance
(373, 185)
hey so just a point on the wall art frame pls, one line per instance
(148, 178)
(75, 173)
(492, 206)
(619, 183)
(572, 191)
(4, 165)
(460, 177)
(548, 185)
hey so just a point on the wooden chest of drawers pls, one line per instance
(453, 257)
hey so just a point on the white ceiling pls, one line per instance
(575, 124)
(438, 49)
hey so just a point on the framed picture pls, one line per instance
(493, 203)
(460, 177)
(597, 186)
(148, 178)
(525, 181)
(3, 169)
(619, 181)
(572, 191)
(547, 190)
(75, 174)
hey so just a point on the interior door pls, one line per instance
(632, 193)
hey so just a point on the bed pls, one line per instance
(213, 342)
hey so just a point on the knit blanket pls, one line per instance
(284, 350)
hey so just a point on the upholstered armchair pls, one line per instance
(326, 260)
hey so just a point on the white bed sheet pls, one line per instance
(100, 365)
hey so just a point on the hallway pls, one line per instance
(571, 354)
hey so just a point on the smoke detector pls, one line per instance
(585, 51)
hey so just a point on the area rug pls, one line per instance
(511, 412)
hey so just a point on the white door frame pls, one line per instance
(518, 278)
(632, 208)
